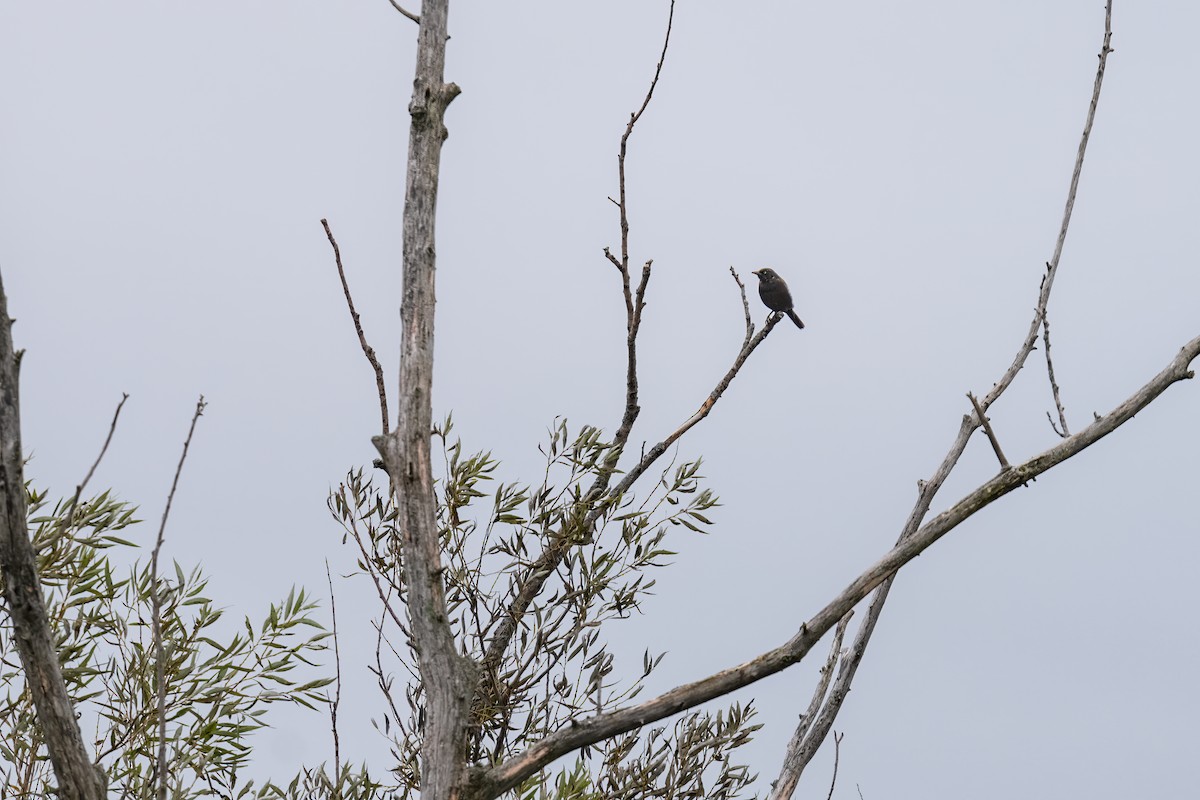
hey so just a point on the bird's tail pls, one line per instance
(795, 319)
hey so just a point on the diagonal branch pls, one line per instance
(987, 428)
(783, 788)
(368, 351)
(68, 517)
(930, 488)
(501, 778)
(405, 12)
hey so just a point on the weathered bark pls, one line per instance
(77, 777)
(447, 676)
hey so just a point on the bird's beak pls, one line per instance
(755, 271)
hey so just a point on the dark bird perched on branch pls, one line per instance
(774, 293)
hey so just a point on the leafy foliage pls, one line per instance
(219, 684)
(557, 667)
(217, 689)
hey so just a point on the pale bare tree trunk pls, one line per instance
(448, 677)
(77, 777)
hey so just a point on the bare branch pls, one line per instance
(1105, 49)
(408, 14)
(789, 775)
(156, 620)
(837, 753)
(657, 71)
(69, 515)
(634, 300)
(368, 351)
(633, 120)
(490, 782)
(987, 428)
(745, 303)
(616, 262)
(1064, 431)
(78, 778)
(1052, 266)
(930, 488)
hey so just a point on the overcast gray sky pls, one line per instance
(903, 165)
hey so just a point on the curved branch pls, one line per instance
(783, 787)
(405, 12)
(368, 351)
(491, 782)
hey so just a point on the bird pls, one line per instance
(774, 293)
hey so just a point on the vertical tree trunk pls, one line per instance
(77, 778)
(447, 676)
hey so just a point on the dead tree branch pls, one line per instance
(837, 756)
(406, 13)
(785, 785)
(930, 488)
(448, 677)
(78, 778)
(987, 428)
(1063, 431)
(368, 351)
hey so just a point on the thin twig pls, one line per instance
(1063, 432)
(112, 428)
(368, 351)
(745, 303)
(337, 692)
(408, 14)
(987, 428)
(156, 598)
(837, 753)
(1105, 49)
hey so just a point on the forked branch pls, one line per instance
(968, 426)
